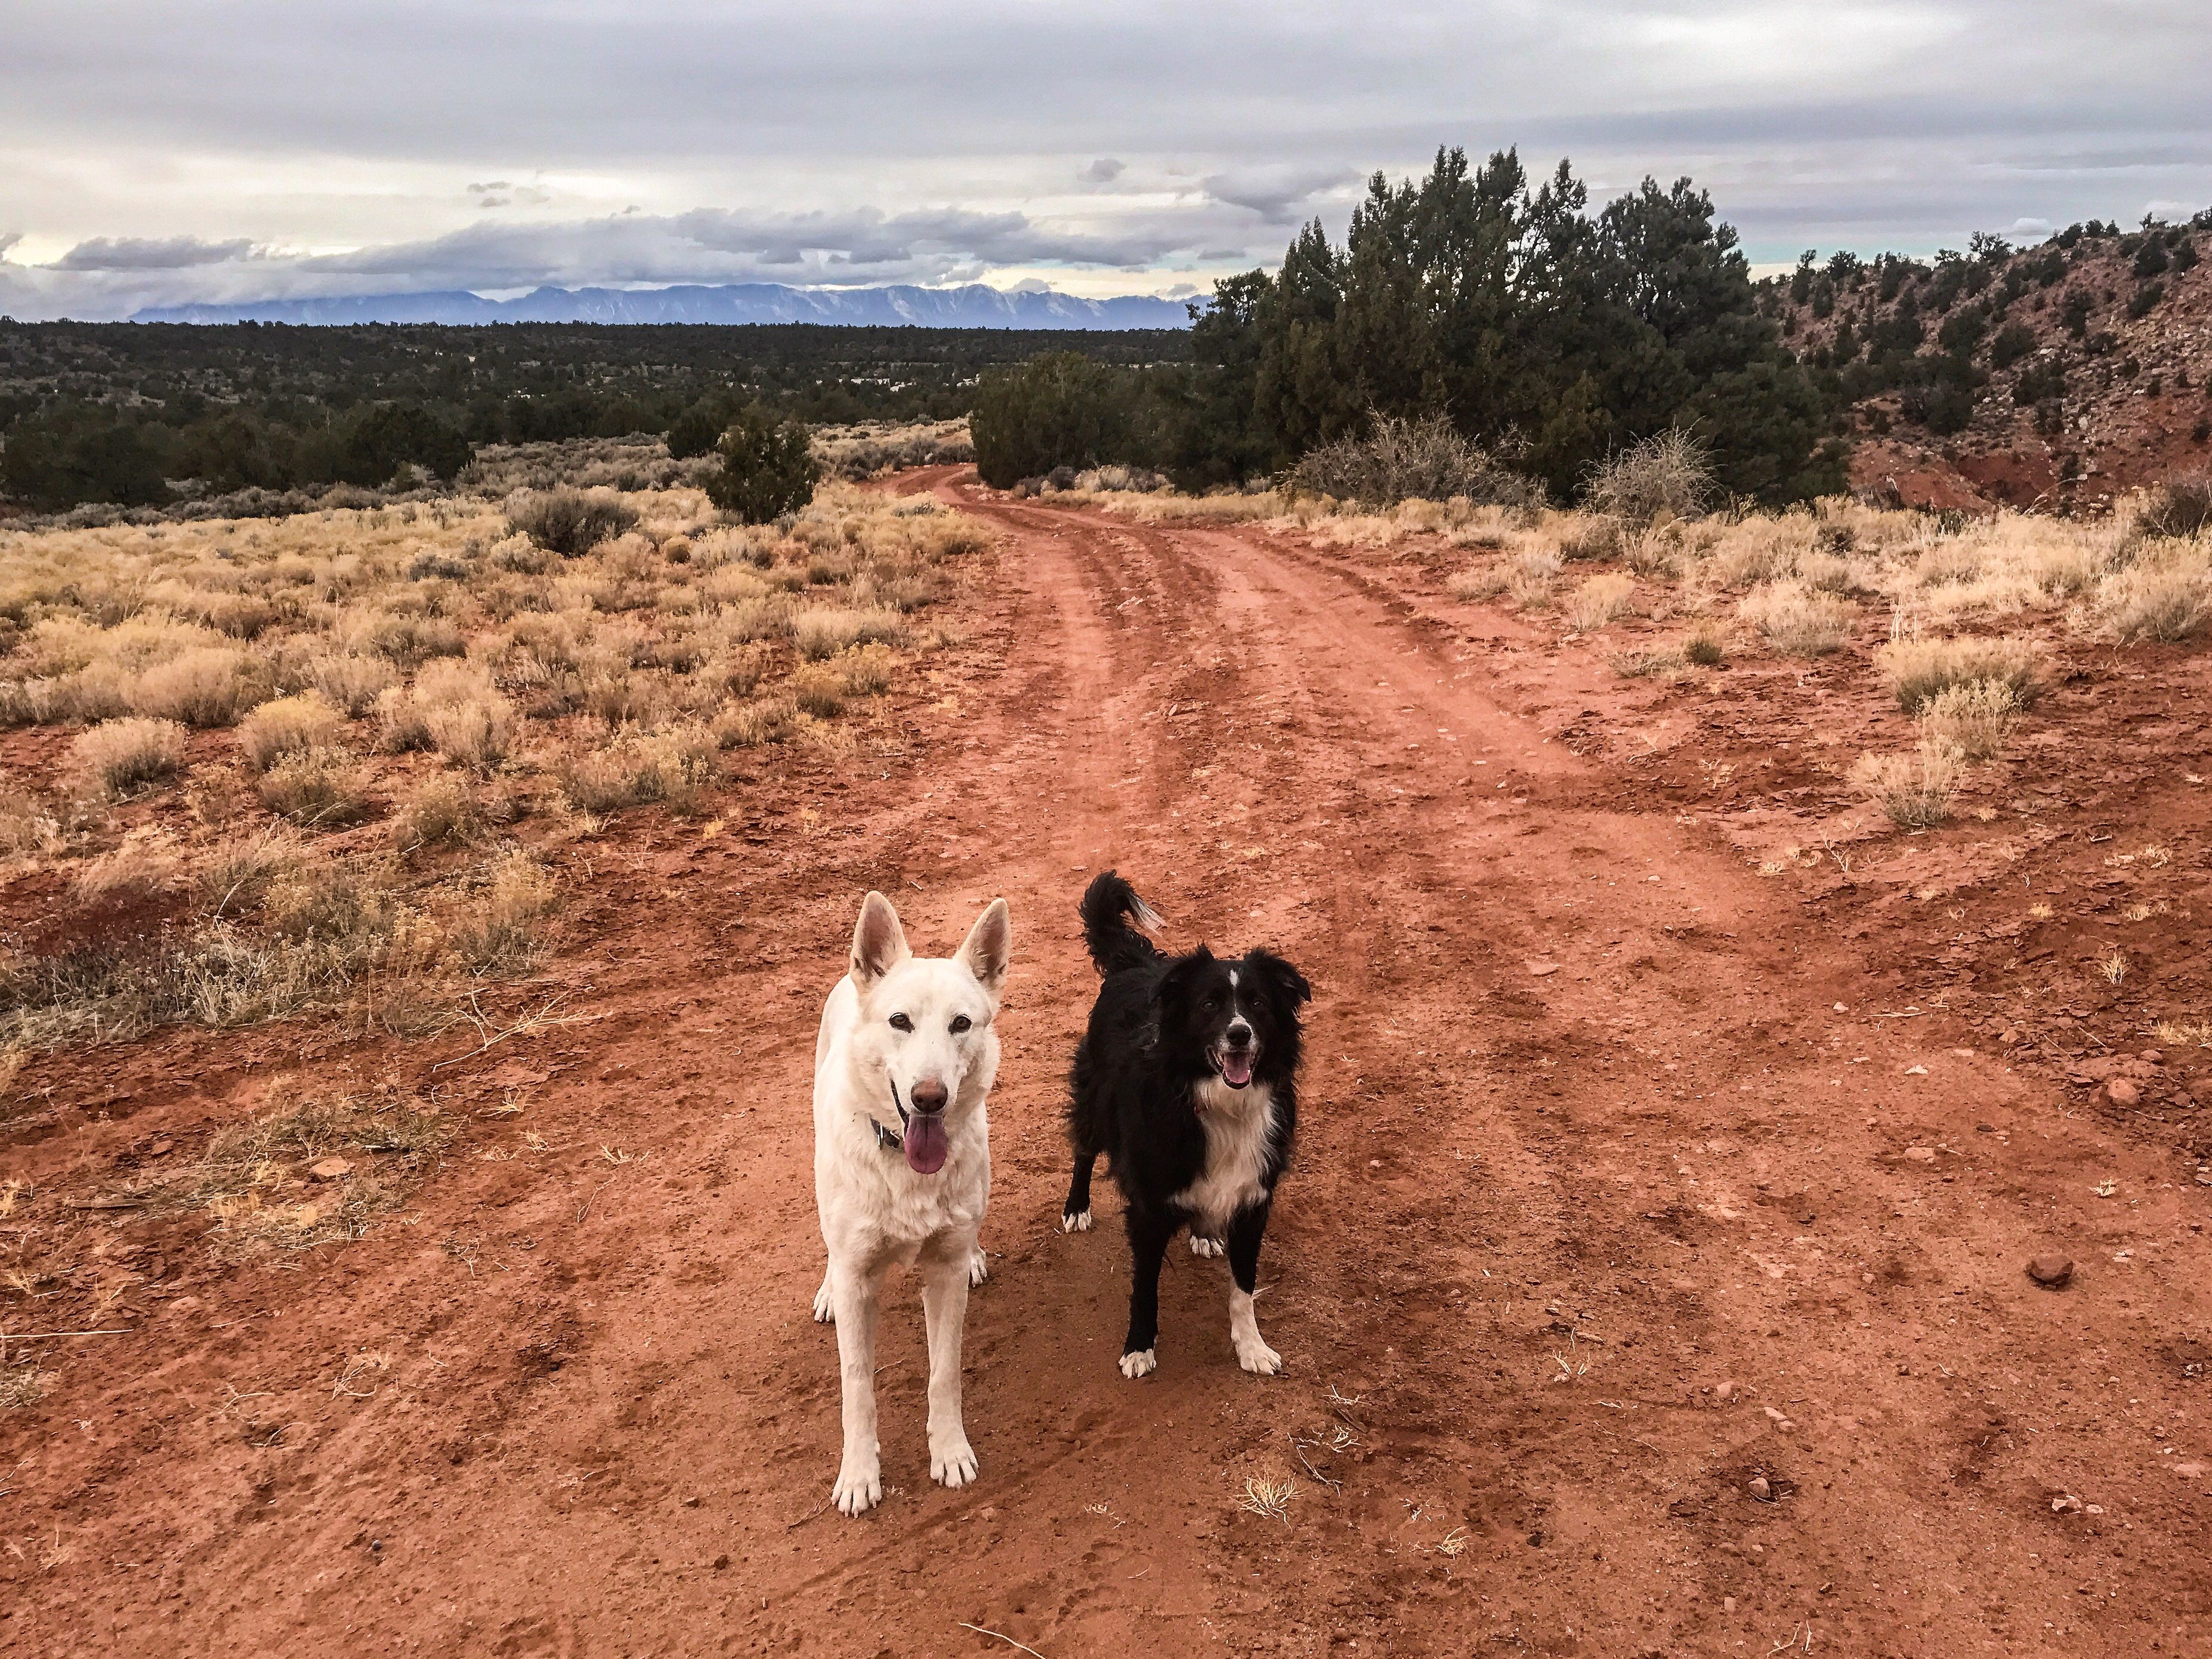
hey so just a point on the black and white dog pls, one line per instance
(1187, 1081)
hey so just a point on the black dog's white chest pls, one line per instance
(1239, 1126)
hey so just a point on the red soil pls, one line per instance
(1629, 1176)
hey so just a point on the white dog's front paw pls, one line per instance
(1075, 1224)
(1199, 1246)
(1142, 1364)
(859, 1486)
(978, 1268)
(954, 1465)
(1256, 1357)
(825, 1309)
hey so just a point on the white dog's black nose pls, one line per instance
(929, 1097)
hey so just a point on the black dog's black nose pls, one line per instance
(928, 1096)
(1239, 1034)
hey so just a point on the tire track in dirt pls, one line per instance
(1579, 1146)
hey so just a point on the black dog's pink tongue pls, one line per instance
(1237, 1069)
(926, 1147)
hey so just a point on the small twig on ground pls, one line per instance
(1001, 1635)
(793, 1526)
(532, 1022)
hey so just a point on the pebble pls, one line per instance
(1921, 1154)
(2066, 1503)
(2121, 1093)
(1761, 1488)
(1543, 969)
(1724, 1392)
(2189, 1471)
(330, 1169)
(1727, 1604)
(162, 1147)
(2205, 1174)
(2051, 1271)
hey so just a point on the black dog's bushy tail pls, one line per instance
(1112, 915)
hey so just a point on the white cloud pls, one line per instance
(143, 253)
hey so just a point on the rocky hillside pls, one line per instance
(2059, 376)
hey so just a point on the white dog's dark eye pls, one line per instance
(961, 1023)
(901, 1022)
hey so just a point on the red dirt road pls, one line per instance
(1617, 1191)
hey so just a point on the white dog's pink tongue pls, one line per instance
(1237, 1069)
(926, 1147)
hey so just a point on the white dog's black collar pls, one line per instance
(885, 1140)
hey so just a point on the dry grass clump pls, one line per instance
(259, 1179)
(210, 686)
(2181, 508)
(351, 682)
(440, 810)
(569, 522)
(1600, 601)
(1914, 790)
(1595, 537)
(1973, 719)
(1480, 582)
(1706, 645)
(147, 864)
(1399, 460)
(119, 756)
(501, 927)
(316, 788)
(1668, 475)
(827, 631)
(1797, 621)
(239, 871)
(677, 766)
(2168, 599)
(1534, 571)
(1918, 670)
(288, 726)
(764, 720)
(868, 448)
(23, 1385)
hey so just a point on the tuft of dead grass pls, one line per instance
(501, 928)
(120, 756)
(212, 686)
(1913, 790)
(316, 788)
(1600, 601)
(1798, 621)
(1480, 582)
(1917, 671)
(677, 766)
(2168, 601)
(1975, 719)
(826, 631)
(287, 726)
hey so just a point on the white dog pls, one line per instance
(903, 1164)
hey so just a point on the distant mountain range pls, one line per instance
(973, 306)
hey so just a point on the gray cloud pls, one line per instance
(142, 253)
(866, 140)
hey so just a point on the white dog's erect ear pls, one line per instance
(878, 941)
(990, 945)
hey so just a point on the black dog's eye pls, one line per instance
(961, 1023)
(901, 1022)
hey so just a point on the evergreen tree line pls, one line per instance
(1544, 333)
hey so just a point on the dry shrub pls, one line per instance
(1480, 582)
(1660, 663)
(866, 672)
(1425, 459)
(351, 683)
(118, 756)
(409, 640)
(1918, 670)
(2181, 508)
(1706, 645)
(27, 824)
(1915, 790)
(442, 809)
(212, 686)
(501, 929)
(819, 689)
(146, 864)
(1972, 719)
(1535, 570)
(677, 766)
(453, 708)
(1596, 537)
(2167, 601)
(569, 522)
(1796, 621)
(401, 723)
(317, 789)
(287, 726)
(240, 869)
(769, 719)
(1668, 475)
(826, 631)
(1600, 601)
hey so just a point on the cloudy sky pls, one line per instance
(171, 150)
